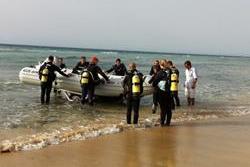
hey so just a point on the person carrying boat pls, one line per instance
(47, 76)
(133, 88)
(61, 64)
(119, 68)
(89, 80)
(81, 65)
(153, 72)
(174, 85)
(163, 82)
(190, 83)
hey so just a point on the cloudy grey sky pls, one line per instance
(196, 26)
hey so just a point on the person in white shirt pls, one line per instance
(190, 83)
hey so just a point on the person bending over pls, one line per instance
(89, 80)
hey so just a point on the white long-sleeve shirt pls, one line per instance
(191, 75)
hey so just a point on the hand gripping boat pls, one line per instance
(71, 86)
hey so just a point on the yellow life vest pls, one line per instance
(174, 82)
(136, 88)
(45, 73)
(85, 77)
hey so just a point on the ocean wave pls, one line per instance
(110, 53)
(68, 134)
(10, 83)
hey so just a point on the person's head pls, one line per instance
(132, 66)
(188, 64)
(82, 59)
(60, 60)
(94, 60)
(170, 63)
(156, 62)
(51, 58)
(118, 61)
(163, 64)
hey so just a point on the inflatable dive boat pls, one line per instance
(71, 86)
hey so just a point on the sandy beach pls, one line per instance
(220, 142)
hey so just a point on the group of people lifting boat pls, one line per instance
(165, 81)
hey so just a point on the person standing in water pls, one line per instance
(89, 80)
(190, 83)
(119, 68)
(163, 82)
(153, 72)
(133, 88)
(174, 85)
(61, 63)
(81, 65)
(47, 76)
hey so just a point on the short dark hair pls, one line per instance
(188, 62)
(83, 57)
(118, 60)
(170, 62)
(51, 58)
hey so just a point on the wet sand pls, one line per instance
(221, 142)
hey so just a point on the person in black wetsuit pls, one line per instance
(47, 76)
(163, 82)
(154, 66)
(133, 88)
(90, 79)
(81, 65)
(119, 68)
(62, 65)
(153, 72)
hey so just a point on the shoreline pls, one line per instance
(219, 142)
(98, 129)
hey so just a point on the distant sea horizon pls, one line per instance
(112, 50)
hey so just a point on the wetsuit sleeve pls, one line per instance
(157, 79)
(60, 72)
(125, 69)
(76, 67)
(110, 70)
(178, 74)
(125, 81)
(99, 70)
(141, 84)
(151, 71)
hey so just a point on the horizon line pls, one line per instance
(118, 50)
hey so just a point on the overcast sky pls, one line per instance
(193, 26)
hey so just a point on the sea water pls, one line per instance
(223, 87)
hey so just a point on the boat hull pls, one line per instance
(29, 75)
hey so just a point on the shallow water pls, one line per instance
(223, 87)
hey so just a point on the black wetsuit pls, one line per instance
(80, 67)
(47, 86)
(175, 96)
(133, 100)
(119, 70)
(164, 94)
(89, 89)
(62, 66)
(153, 72)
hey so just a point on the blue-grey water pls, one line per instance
(224, 85)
